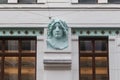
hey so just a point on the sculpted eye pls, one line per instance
(60, 27)
(54, 27)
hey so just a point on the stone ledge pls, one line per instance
(57, 64)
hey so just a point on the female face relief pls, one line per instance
(57, 31)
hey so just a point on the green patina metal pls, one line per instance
(95, 31)
(57, 37)
(21, 31)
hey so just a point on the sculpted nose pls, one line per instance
(57, 28)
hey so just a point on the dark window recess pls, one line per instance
(87, 1)
(27, 1)
(114, 1)
(11, 45)
(3, 1)
(85, 46)
(28, 45)
(100, 45)
(93, 58)
(15, 64)
(0, 46)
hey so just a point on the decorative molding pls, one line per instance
(95, 31)
(57, 1)
(12, 1)
(60, 6)
(75, 38)
(41, 1)
(74, 1)
(21, 31)
(57, 63)
(112, 38)
(68, 51)
(102, 1)
(40, 38)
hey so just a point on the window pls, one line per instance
(93, 58)
(17, 58)
(87, 1)
(114, 1)
(27, 1)
(11, 45)
(3, 1)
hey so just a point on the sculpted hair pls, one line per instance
(51, 26)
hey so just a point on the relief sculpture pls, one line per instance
(57, 37)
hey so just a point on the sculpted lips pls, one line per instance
(57, 33)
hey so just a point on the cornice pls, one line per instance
(59, 6)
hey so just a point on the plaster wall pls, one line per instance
(78, 17)
(54, 72)
(75, 59)
(72, 17)
(114, 58)
(40, 56)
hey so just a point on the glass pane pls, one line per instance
(11, 68)
(85, 46)
(0, 46)
(28, 46)
(100, 46)
(28, 68)
(101, 77)
(114, 1)
(101, 68)
(101, 61)
(11, 46)
(3, 1)
(26, 1)
(87, 1)
(86, 68)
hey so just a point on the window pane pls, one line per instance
(86, 68)
(85, 46)
(87, 1)
(101, 68)
(101, 77)
(11, 46)
(0, 45)
(28, 46)
(11, 68)
(114, 1)
(101, 61)
(28, 68)
(3, 1)
(100, 46)
(26, 1)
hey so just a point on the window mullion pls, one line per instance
(2, 68)
(3, 56)
(93, 59)
(19, 60)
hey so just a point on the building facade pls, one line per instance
(93, 40)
